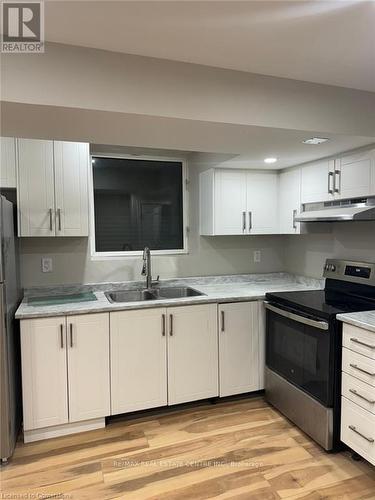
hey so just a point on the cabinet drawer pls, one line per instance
(358, 366)
(358, 429)
(359, 392)
(359, 340)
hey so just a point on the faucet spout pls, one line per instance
(146, 270)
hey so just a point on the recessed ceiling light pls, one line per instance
(315, 140)
(270, 160)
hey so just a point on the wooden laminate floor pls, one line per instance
(235, 450)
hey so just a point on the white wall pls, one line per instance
(306, 254)
(207, 256)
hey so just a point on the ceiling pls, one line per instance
(328, 42)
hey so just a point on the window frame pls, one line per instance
(136, 253)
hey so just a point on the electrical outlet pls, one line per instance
(257, 256)
(46, 265)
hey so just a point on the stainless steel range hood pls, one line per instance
(362, 209)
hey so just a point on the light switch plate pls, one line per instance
(46, 265)
(257, 256)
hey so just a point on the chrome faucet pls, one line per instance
(146, 269)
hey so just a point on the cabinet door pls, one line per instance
(230, 202)
(8, 162)
(262, 203)
(317, 181)
(357, 175)
(289, 201)
(238, 348)
(138, 360)
(192, 353)
(36, 200)
(88, 366)
(44, 372)
(71, 174)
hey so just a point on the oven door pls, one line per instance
(299, 348)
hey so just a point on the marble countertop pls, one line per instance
(217, 289)
(364, 319)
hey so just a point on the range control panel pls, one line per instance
(347, 270)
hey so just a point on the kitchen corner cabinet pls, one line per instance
(8, 161)
(289, 201)
(163, 356)
(65, 369)
(239, 348)
(238, 202)
(52, 188)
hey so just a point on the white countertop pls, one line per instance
(364, 319)
(217, 289)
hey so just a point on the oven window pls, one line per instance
(300, 354)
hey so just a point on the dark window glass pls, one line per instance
(137, 203)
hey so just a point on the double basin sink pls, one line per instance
(159, 293)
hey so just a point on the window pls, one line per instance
(138, 202)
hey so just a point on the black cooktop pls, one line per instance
(322, 303)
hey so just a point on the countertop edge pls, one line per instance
(349, 319)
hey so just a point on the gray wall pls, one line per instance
(306, 254)
(207, 256)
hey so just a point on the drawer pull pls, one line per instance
(353, 391)
(356, 367)
(362, 343)
(352, 428)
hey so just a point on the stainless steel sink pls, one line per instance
(153, 294)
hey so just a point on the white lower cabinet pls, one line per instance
(65, 371)
(138, 360)
(239, 348)
(192, 353)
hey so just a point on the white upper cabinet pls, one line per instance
(236, 202)
(262, 202)
(71, 191)
(230, 202)
(289, 201)
(355, 175)
(36, 200)
(52, 188)
(8, 162)
(317, 181)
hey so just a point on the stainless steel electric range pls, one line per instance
(303, 347)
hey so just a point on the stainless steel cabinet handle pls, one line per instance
(50, 219)
(243, 222)
(163, 325)
(250, 221)
(171, 325)
(356, 341)
(222, 321)
(353, 391)
(59, 217)
(353, 428)
(337, 186)
(356, 367)
(62, 336)
(294, 219)
(71, 334)
(330, 178)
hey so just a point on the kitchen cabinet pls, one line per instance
(62, 352)
(289, 201)
(138, 360)
(355, 175)
(238, 202)
(239, 348)
(192, 353)
(144, 376)
(52, 188)
(317, 181)
(8, 161)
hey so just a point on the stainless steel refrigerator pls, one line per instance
(10, 390)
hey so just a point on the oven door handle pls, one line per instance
(322, 325)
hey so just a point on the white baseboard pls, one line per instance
(63, 430)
